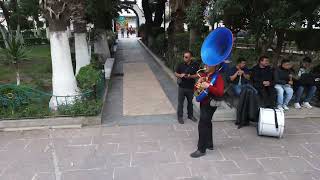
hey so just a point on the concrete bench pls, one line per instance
(108, 66)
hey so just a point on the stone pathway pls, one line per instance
(152, 146)
(141, 92)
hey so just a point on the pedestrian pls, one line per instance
(207, 109)
(131, 30)
(128, 32)
(186, 73)
(122, 32)
(306, 82)
(283, 84)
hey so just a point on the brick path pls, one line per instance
(155, 147)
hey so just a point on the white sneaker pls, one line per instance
(307, 105)
(280, 107)
(285, 107)
(297, 106)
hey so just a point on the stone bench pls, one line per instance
(108, 66)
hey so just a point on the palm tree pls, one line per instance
(14, 49)
(80, 33)
(64, 83)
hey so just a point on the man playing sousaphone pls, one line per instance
(210, 86)
(207, 110)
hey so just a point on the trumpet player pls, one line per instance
(207, 110)
(186, 73)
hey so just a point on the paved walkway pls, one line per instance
(141, 92)
(155, 147)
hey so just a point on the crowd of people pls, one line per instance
(275, 87)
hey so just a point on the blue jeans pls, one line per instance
(238, 88)
(284, 94)
(299, 92)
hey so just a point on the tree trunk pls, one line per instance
(194, 34)
(82, 51)
(148, 18)
(16, 65)
(63, 80)
(280, 40)
(101, 45)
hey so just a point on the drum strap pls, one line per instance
(276, 118)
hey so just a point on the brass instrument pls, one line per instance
(200, 89)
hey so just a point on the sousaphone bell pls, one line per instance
(215, 49)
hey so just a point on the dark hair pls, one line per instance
(261, 58)
(307, 60)
(285, 61)
(189, 52)
(241, 59)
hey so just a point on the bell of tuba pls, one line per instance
(215, 49)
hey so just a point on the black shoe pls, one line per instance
(192, 118)
(180, 120)
(197, 154)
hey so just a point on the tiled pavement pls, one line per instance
(155, 147)
(160, 152)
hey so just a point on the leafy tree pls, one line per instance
(195, 20)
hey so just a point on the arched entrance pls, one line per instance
(133, 6)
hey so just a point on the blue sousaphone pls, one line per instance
(215, 49)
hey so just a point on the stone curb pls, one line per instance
(226, 114)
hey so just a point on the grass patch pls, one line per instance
(36, 71)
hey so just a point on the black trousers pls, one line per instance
(268, 96)
(205, 127)
(182, 94)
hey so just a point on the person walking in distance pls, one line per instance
(186, 73)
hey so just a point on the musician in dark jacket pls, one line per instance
(262, 81)
(239, 76)
(283, 84)
(207, 109)
(186, 73)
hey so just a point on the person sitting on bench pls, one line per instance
(262, 80)
(284, 82)
(239, 76)
(306, 82)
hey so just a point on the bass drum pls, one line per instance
(271, 122)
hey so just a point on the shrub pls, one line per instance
(84, 108)
(159, 45)
(142, 31)
(88, 78)
(97, 62)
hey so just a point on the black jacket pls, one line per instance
(281, 76)
(258, 75)
(248, 108)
